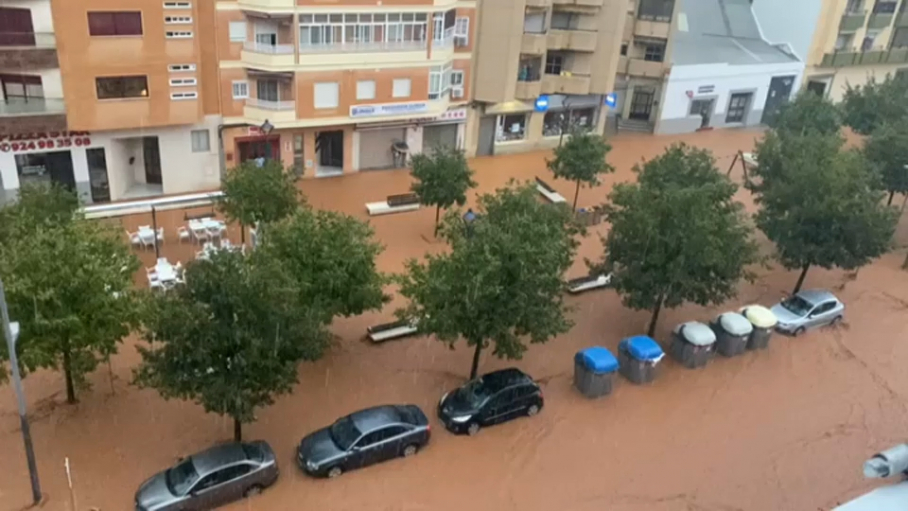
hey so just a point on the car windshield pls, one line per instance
(181, 477)
(473, 393)
(344, 433)
(797, 305)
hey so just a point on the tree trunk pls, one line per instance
(242, 234)
(801, 279)
(475, 368)
(651, 331)
(68, 374)
(891, 195)
(437, 213)
(237, 430)
(576, 194)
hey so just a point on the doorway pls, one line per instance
(486, 145)
(329, 152)
(779, 92)
(251, 149)
(703, 108)
(152, 155)
(642, 104)
(16, 27)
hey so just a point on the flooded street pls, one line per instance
(783, 429)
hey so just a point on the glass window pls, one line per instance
(326, 95)
(267, 90)
(201, 143)
(511, 127)
(365, 89)
(554, 64)
(656, 10)
(181, 477)
(116, 87)
(565, 20)
(654, 52)
(900, 39)
(534, 23)
(737, 107)
(552, 123)
(97, 174)
(582, 118)
(401, 88)
(462, 32)
(843, 42)
(240, 90)
(344, 433)
(237, 31)
(797, 305)
(106, 23)
(884, 7)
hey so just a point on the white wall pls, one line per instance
(42, 21)
(788, 21)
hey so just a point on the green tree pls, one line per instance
(866, 107)
(442, 179)
(260, 196)
(231, 338)
(677, 235)
(68, 283)
(499, 284)
(808, 112)
(887, 151)
(819, 203)
(581, 159)
(331, 257)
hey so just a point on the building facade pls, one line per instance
(856, 40)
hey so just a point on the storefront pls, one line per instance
(445, 131)
(383, 147)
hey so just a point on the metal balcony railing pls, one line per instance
(31, 106)
(865, 58)
(266, 104)
(269, 49)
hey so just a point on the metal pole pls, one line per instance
(154, 227)
(20, 398)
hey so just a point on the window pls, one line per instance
(363, 31)
(554, 63)
(116, 87)
(182, 82)
(178, 96)
(511, 127)
(552, 123)
(172, 34)
(582, 118)
(365, 89)
(456, 84)
(201, 143)
(177, 5)
(401, 88)
(115, 23)
(439, 80)
(235, 472)
(326, 95)
(624, 49)
(267, 90)
(240, 90)
(701, 107)
(654, 52)
(843, 42)
(565, 21)
(534, 23)
(237, 31)
(443, 27)
(900, 38)
(884, 7)
(656, 10)
(855, 6)
(462, 32)
(177, 20)
(737, 107)
(180, 68)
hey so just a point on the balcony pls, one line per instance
(268, 55)
(646, 68)
(528, 89)
(652, 29)
(565, 83)
(28, 50)
(865, 58)
(622, 66)
(273, 111)
(34, 116)
(576, 40)
(852, 21)
(579, 3)
(384, 52)
(539, 3)
(533, 44)
(880, 20)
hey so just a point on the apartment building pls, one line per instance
(854, 40)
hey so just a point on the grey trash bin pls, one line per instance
(692, 344)
(763, 321)
(594, 369)
(638, 357)
(732, 332)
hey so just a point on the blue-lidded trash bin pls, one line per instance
(732, 332)
(692, 344)
(593, 371)
(638, 357)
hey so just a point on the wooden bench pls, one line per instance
(588, 283)
(388, 331)
(199, 216)
(394, 204)
(548, 192)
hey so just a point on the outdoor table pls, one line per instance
(206, 226)
(146, 234)
(165, 271)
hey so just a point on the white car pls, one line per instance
(808, 309)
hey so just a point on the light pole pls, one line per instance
(565, 120)
(11, 332)
(266, 128)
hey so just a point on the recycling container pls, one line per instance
(763, 321)
(638, 357)
(692, 344)
(594, 369)
(732, 331)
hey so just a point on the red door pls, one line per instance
(16, 27)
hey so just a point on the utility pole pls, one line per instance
(11, 332)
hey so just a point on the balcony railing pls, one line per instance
(270, 49)
(27, 40)
(571, 39)
(363, 47)
(865, 58)
(902, 20)
(32, 106)
(880, 20)
(266, 104)
(852, 20)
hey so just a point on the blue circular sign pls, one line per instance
(542, 103)
(611, 100)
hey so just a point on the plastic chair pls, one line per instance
(160, 234)
(133, 238)
(184, 234)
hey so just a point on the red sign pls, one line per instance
(50, 140)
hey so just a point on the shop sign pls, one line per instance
(388, 109)
(457, 114)
(50, 140)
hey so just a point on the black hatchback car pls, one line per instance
(492, 398)
(364, 438)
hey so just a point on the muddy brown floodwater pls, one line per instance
(783, 429)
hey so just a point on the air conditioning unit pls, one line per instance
(457, 93)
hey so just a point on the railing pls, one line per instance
(27, 40)
(31, 106)
(447, 40)
(265, 104)
(865, 58)
(853, 20)
(364, 47)
(529, 76)
(270, 49)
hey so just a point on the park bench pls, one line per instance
(588, 283)
(548, 192)
(394, 204)
(387, 331)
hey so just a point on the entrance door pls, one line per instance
(703, 108)
(16, 27)
(486, 145)
(642, 104)
(330, 148)
(152, 153)
(779, 92)
(60, 166)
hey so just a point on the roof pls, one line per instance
(375, 417)
(217, 456)
(722, 32)
(497, 380)
(816, 296)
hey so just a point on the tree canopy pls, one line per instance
(581, 159)
(808, 112)
(866, 107)
(820, 203)
(442, 178)
(254, 194)
(887, 151)
(677, 234)
(499, 284)
(68, 284)
(231, 338)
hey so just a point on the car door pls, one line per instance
(818, 315)
(516, 404)
(496, 407)
(223, 486)
(364, 451)
(396, 437)
(203, 494)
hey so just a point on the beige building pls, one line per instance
(854, 40)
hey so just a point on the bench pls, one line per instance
(394, 204)
(588, 283)
(749, 158)
(548, 192)
(388, 331)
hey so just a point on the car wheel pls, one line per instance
(410, 450)
(252, 491)
(334, 472)
(835, 321)
(532, 410)
(473, 428)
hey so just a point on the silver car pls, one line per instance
(808, 309)
(210, 478)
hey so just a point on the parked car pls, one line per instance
(211, 478)
(808, 309)
(492, 398)
(364, 438)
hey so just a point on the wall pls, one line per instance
(305, 98)
(787, 21)
(845, 76)
(498, 38)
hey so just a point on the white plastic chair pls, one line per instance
(184, 234)
(133, 238)
(160, 234)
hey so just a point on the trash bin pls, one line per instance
(638, 357)
(732, 331)
(763, 321)
(692, 344)
(594, 369)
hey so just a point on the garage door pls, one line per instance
(444, 135)
(375, 147)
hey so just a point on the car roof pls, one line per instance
(217, 457)
(816, 296)
(376, 417)
(497, 380)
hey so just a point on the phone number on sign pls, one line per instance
(32, 145)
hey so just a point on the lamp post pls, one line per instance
(11, 332)
(565, 119)
(267, 128)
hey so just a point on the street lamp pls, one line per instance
(11, 332)
(267, 128)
